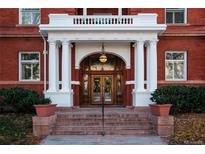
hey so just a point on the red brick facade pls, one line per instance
(188, 37)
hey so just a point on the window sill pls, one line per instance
(183, 80)
(27, 25)
(29, 80)
(175, 25)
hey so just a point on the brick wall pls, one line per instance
(15, 38)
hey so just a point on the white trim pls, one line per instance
(75, 82)
(119, 12)
(185, 17)
(85, 49)
(20, 67)
(102, 14)
(84, 11)
(185, 63)
(20, 17)
(130, 82)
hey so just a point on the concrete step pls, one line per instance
(99, 122)
(98, 130)
(99, 127)
(96, 115)
(119, 121)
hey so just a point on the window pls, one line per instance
(175, 16)
(175, 65)
(29, 16)
(29, 66)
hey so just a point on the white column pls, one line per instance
(57, 66)
(119, 11)
(52, 66)
(66, 66)
(148, 64)
(139, 66)
(84, 11)
(153, 65)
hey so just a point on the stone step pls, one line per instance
(107, 109)
(99, 122)
(107, 132)
(107, 128)
(92, 115)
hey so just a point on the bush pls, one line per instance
(45, 101)
(183, 98)
(20, 100)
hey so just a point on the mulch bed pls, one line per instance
(189, 129)
(16, 129)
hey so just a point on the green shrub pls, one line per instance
(183, 98)
(20, 100)
(45, 101)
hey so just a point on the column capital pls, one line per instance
(52, 41)
(66, 42)
(138, 42)
(153, 40)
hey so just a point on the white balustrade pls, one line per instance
(95, 20)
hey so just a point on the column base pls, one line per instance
(141, 98)
(62, 99)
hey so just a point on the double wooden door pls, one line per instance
(101, 89)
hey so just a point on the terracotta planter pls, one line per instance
(45, 110)
(160, 109)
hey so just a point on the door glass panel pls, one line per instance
(96, 89)
(118, 85)
(107, 89)
(85, 80)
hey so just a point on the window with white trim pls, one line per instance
(175, 65)
(29, 66)
(176, 16)
(29, 16)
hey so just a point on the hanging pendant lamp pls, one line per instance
(103, 57)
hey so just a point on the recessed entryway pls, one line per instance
(102, 82)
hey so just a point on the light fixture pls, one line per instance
(103, 57)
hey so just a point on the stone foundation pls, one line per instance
(163, 125)
(42, 126)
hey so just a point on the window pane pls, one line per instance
(26, 18)
(179, 17)
(169, 56)
(29, 56)
(178, 56)
(169, 70)
(36, 72)
(85, 78)
(118, 84)
(26, 71)
(179, 70)
(36, 18)
(30, 16)
(169, 17)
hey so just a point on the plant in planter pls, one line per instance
(162, 106)
(45, 108)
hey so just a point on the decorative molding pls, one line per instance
(75, 82)
(130, 82)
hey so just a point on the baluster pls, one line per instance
(73, 21)
(97, 20)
